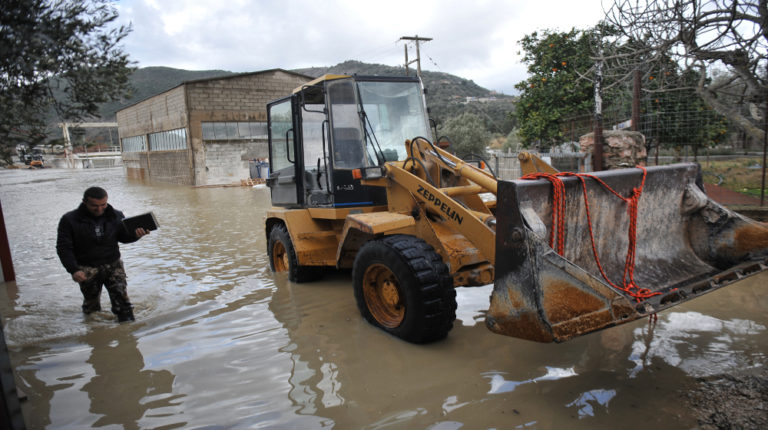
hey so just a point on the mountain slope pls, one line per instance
(148, 81)
(447, 95)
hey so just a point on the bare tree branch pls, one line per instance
(701, 35)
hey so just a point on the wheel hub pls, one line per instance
(389, 294)
(279, 257)
(382, 295)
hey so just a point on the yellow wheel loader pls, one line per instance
(356, 183)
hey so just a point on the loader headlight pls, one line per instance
(373, 172)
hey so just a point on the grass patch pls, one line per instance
(743, 175)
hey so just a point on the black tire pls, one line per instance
(282, 257)
(403, 287)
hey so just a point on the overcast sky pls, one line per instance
(475, 39)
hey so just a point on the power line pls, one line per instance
(376, 53)
(433, 62)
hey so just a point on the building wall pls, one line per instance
(161, 166)
(229, 161)
(165, 111)
(135, 165)
(170, 166)
(241, 98)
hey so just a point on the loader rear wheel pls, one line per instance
(403, 287)
(282, 257)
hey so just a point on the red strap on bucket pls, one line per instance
(557, 232)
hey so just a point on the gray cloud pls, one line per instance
(475, 40)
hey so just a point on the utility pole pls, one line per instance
(765, 154)
(417, 39)
(636, 101)
(597, 151)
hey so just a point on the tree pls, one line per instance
(468, 135)
(60, 56)
(555, 88)
(704, 36)
(512, 142)
(675, 115)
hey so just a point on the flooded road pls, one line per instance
(221, 342)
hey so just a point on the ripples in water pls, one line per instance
(222, 342)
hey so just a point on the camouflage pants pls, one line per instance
(112, 276)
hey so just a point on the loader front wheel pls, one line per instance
(282, 257)
(403, 287)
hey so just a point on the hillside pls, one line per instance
(447, 95)
(144, 82)
(148, 81)
(443, 86)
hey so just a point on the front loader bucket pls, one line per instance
(686, 245)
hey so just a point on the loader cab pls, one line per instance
(335, 130)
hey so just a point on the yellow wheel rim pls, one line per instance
(279, 257)
(383, 296)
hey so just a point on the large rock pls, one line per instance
(621, 149)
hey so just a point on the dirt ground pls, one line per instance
(728, 197)
(733, 401)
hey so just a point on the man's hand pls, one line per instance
(79, 276)
(141, 232)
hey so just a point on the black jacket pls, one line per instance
(80, 242)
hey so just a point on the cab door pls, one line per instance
(283, 166)
(315, 162)
(348, 148)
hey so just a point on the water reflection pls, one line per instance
(398, 419)
(474, 304)
(699, 344)
(120, 377)
(314, 377)
(112, 387)
(221, 342)
(586, 402)
(500, 385)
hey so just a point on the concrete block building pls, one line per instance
(202, 132)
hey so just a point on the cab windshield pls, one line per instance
(395, 112)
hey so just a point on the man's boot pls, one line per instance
(90, 307)
(125, 314)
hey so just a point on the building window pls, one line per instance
(134, 144)
(234, 130)
(168, 140)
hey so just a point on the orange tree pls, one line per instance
(556, 87)
(675, 115)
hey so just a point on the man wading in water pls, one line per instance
(88, 248)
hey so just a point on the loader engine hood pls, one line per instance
(686, 245)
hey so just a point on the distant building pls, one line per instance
(202, 132)
(470, 99)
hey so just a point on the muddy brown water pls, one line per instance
(221, 342)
